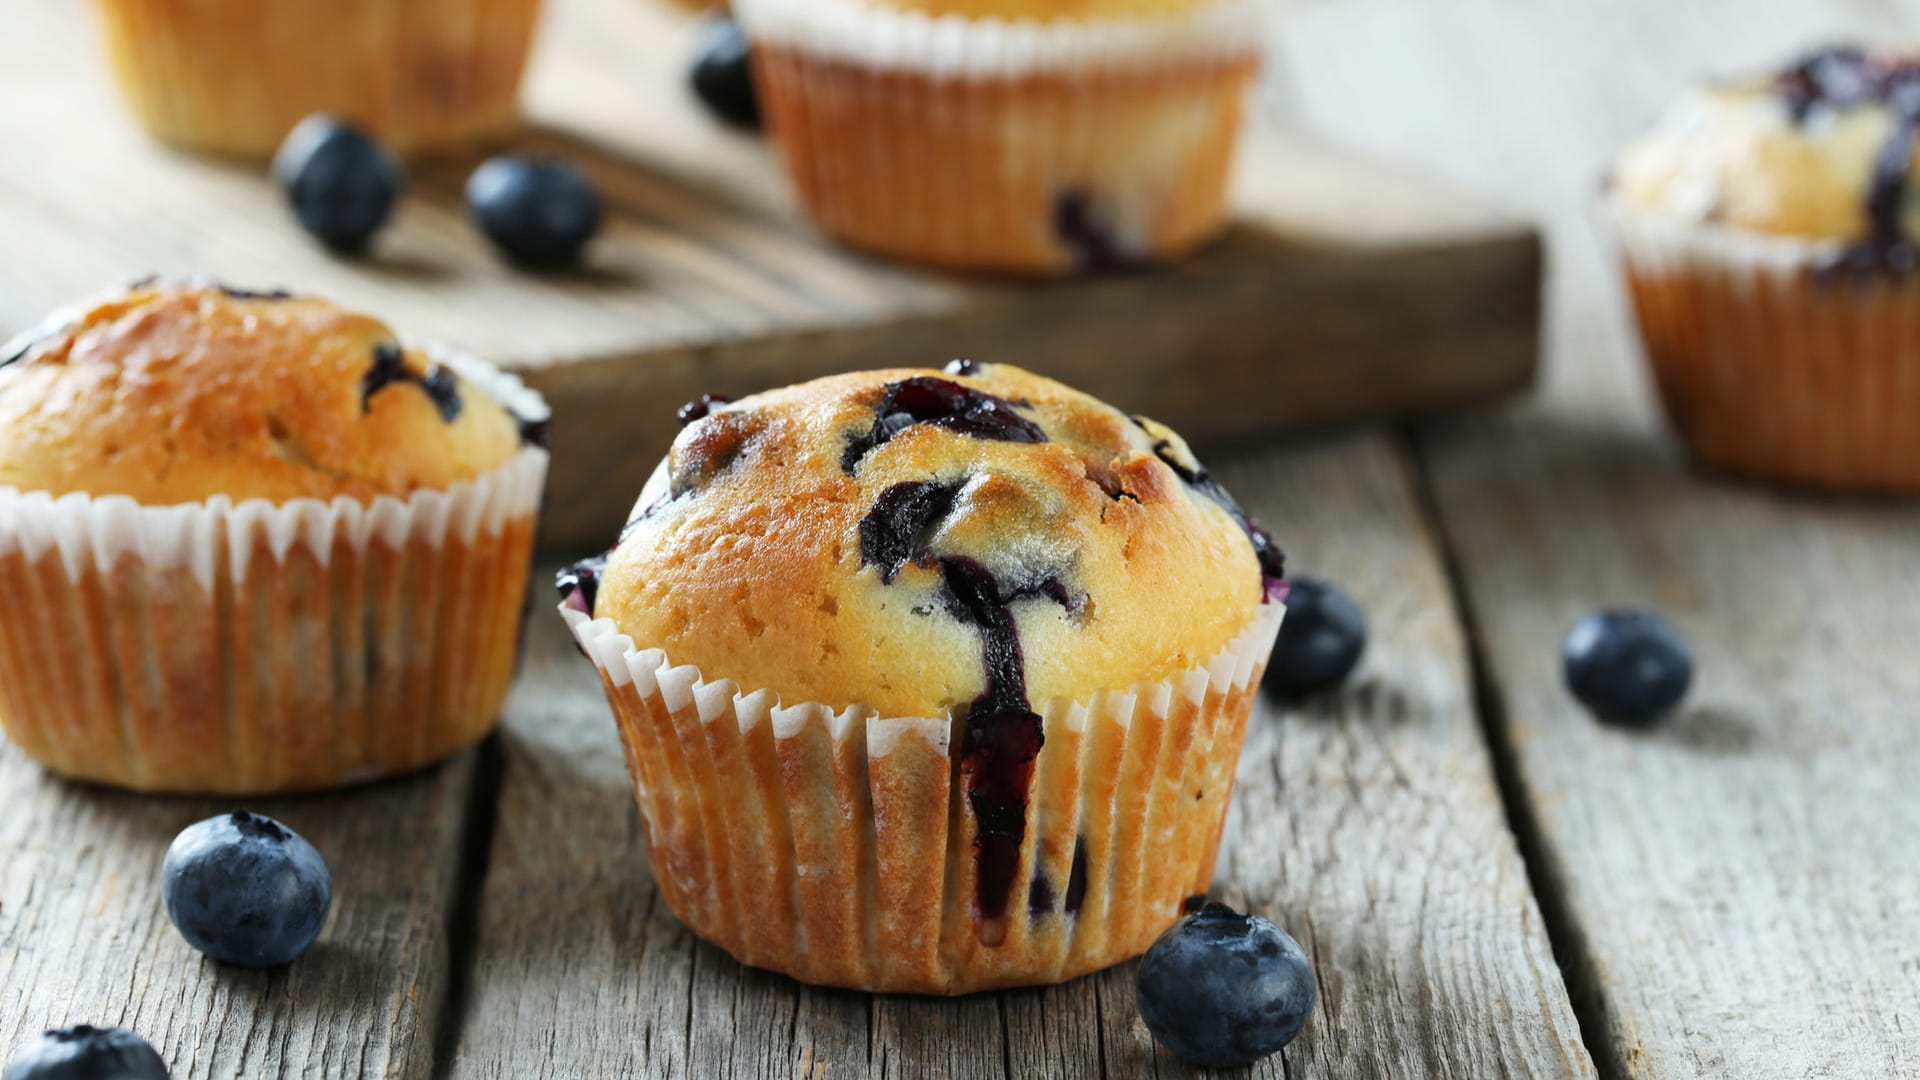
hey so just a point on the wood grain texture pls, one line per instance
(1740, 890)
(1367, 823)
(707, 278)
(84, 938)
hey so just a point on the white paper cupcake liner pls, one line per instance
(256, 646)
(836, 845)
(955, 47)
(235, 76)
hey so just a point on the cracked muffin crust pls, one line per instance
(173, 393)
(751, 553)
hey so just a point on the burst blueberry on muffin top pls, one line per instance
(172, 393)
(1821, 150)
(972, 543)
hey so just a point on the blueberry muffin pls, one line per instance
(1024, 136)
(930, 682)
(234, 76)
(1767, 229)
(257, 543)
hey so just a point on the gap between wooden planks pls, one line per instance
(1367, 823)
(1739, 891)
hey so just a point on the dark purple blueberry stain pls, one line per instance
(1002, 734)
(1844, 76)
(963, 366)
(443, 386)
(254, 294)
(439, 383)
(700, 408)
(1078, 226)
(1076, 878)
(924, 399)
(1273, 562)
(1040, 897)
(536, 432)
(579, 583)
(1040, 894)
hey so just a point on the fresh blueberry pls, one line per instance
(1222, 989)
(1321, 639)
(1626, 666)
(723, 73)
(87, 1053)
(537, 211)
(341, 182)
(247, 890)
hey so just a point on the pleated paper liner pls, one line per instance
(1770, 367)
(837, 847)
(1006, 146)
(234, 76)
(257, 647)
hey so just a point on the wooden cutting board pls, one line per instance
(1347, 289)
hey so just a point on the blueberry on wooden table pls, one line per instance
(1222, 989)
(245, 889)
(342, 183)
(722, 73)
(539, 212)
(1627, 666)
(1321, 639)
(86, 1053)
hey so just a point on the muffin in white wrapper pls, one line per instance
(831, 845)
(254, 646)
(1770, 244)
(1022, 141)
(930, 682)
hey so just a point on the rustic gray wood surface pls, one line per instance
(84, 938)
(1367, 822)
(1737, 895)
(1739, 892)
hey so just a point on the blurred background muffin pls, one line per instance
(1034, 136)
(232, 76)
(263, 546)
(1025, 627)
(1767, 230)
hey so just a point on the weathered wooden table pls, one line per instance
(1488, 883)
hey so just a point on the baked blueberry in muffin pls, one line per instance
(964, 657)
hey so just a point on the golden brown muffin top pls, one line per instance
(174, 393)
(884, 538)
(1796, 153)
(1048, 10)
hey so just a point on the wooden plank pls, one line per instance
(1367, 822)
(84, 939)
(1738, 891)
(709, 279)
